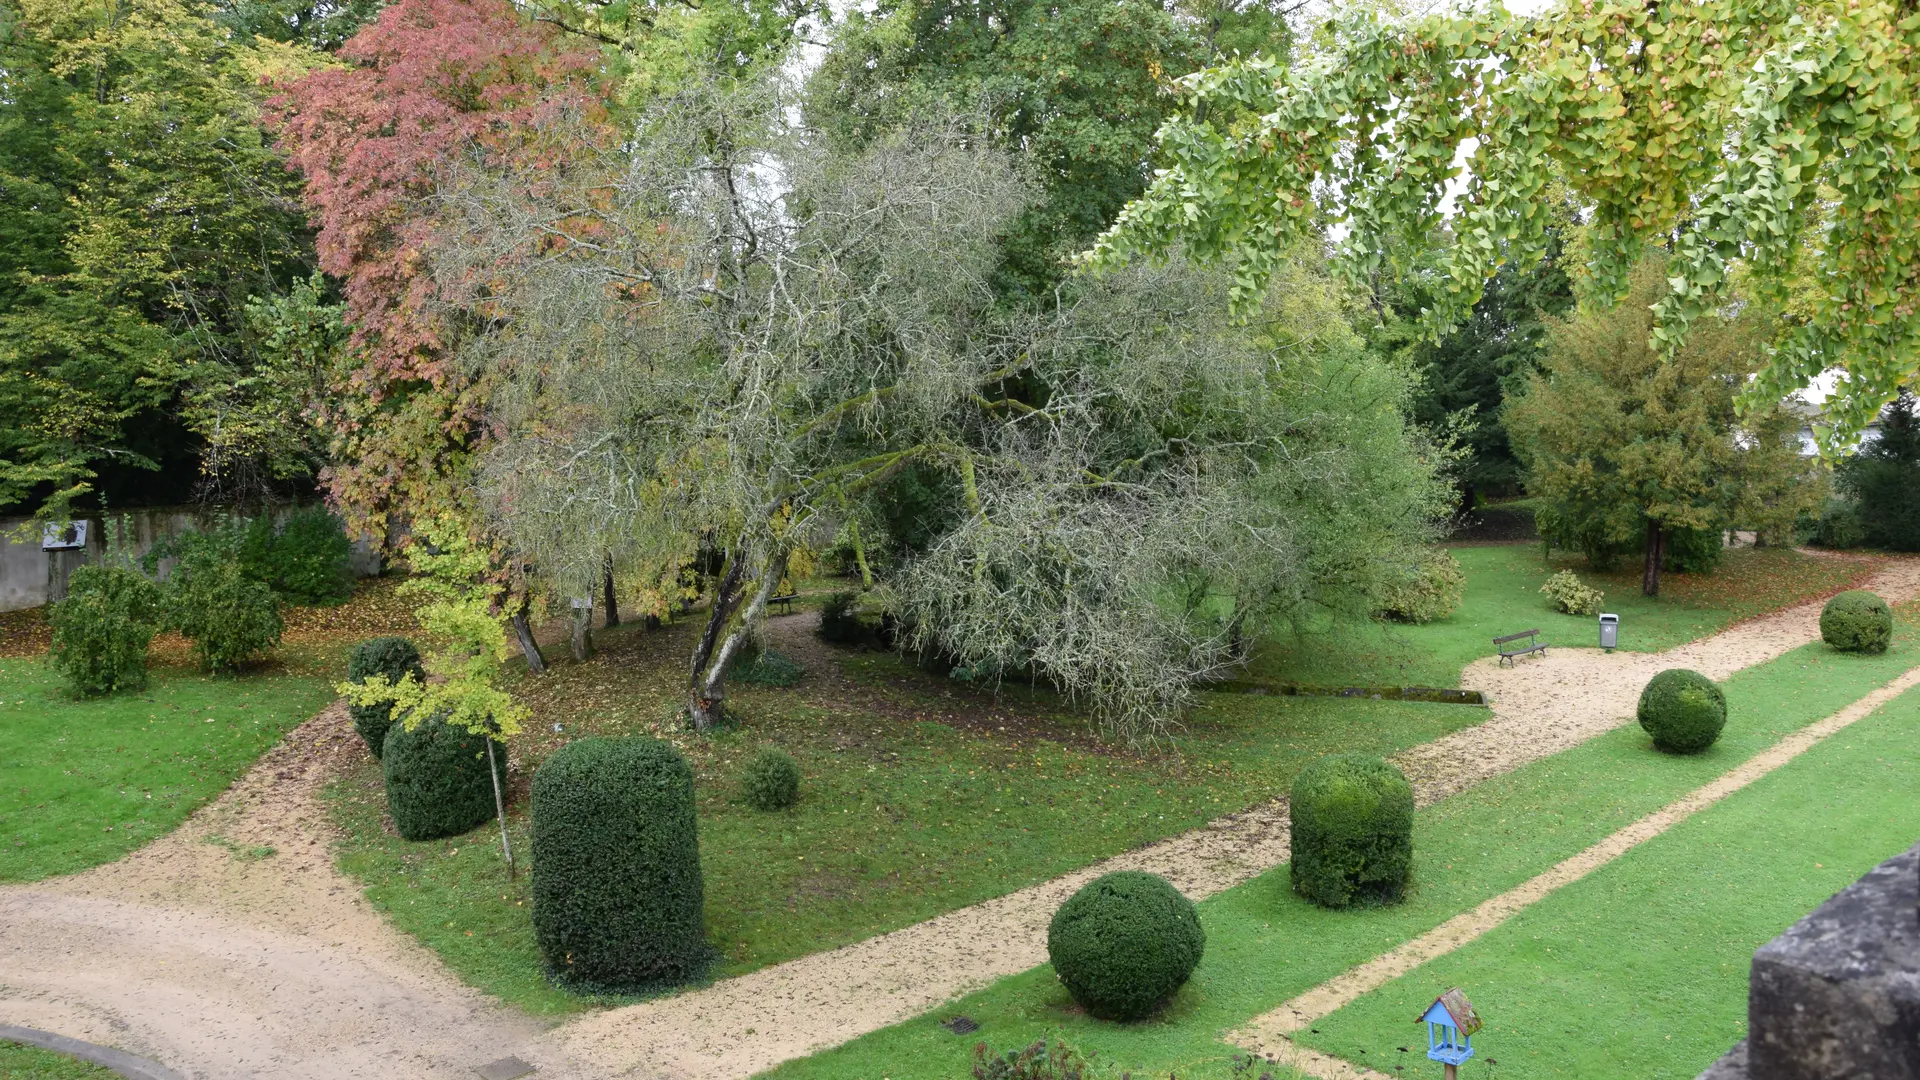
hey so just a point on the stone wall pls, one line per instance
(30, 577)
(1837, 997)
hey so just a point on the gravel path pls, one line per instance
(225, 966)
(744, 1025)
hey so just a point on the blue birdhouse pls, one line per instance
(1451, 1023)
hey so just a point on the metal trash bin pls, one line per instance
(1609, 632)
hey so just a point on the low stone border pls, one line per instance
(127, 1065)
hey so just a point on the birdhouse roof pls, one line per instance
(1452, 1009)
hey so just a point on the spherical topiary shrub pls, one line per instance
(617, 891)
(394, 657)
(1683, 711)
(437, 782)
(1352, 831)
(1857, 621)
(1125, 943)
(771, 780)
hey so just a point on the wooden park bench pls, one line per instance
(1509, 650)
(785, 601)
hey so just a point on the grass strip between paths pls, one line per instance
(1641, 968)
(1266, 946)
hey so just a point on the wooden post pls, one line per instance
(1453, 1072)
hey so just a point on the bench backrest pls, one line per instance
(1516, 637)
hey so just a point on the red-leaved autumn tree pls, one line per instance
(425, 83)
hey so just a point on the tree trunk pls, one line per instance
(1656, 551)
(581, 637)
(608, 598)
(528, 647)
(708, 691)
(702, 710)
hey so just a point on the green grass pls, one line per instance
(1264, 945)
(1503, 596)
(1641, 968)
(899, 821)
(19, 1061)
(83, 782)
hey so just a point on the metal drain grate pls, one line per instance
(961, 1025)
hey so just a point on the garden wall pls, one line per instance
(29, 577)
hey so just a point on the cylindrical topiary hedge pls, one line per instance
(394, 657)
(437, 781)
(1352, 831)
(1125, 943)
(1857, 621)
(617, 891)
(771, 780)
(1683, 711)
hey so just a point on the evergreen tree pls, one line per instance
(1885, 477)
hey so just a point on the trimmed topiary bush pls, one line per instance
(617, 892)
(230, 618)
(437, 781)
(1683, 710)
(102, 629)
(1352, 831)
(771, 780)
(1857, 621)
(394, 657)
(1125, 943)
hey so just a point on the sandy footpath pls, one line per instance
(742, 1026)
(223, 966)
(226, 967)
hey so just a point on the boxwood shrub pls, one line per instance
(437, 782)
(1683, 711)
(1857, 621)
(617, 892)
(102, 629)
(1352, 831)
(1125, 943)
(771, 780)
(394, 657)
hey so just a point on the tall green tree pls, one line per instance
(1884, 476)
(1079, 85)
(1627, 448)
(1779, 135)
(140, 211)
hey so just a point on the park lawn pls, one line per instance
(1265, 945)
(1503, 596)
(1641, 968)
(19, 1061)
(83, 782)
(907, 812)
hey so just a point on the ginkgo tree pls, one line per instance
(1774, 140)
(460, 612)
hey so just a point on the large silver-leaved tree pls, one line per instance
(719, 334)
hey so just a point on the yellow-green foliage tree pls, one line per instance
(1626, 447)
(1779, 134)
(461, 616)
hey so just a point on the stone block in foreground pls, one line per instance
(1837, 997)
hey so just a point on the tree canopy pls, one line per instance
(1627, 448)
(1775, 140)
(735, 331)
